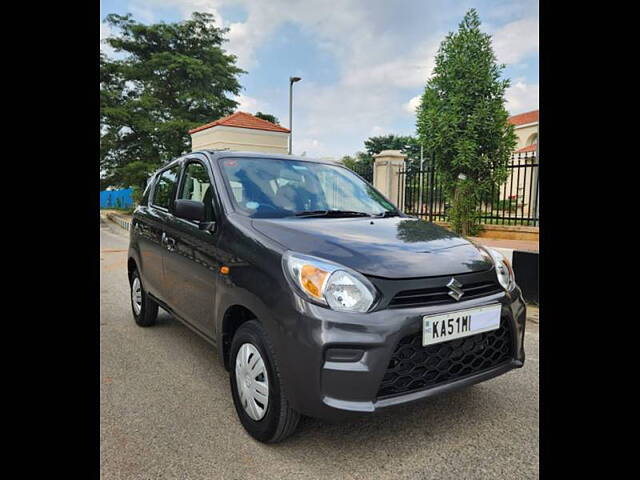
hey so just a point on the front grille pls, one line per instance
(440, 294)
(414, 367)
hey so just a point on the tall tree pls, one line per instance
(409, 145)
(356, 160)
(268, 117)
(167, 79)
(463, 121)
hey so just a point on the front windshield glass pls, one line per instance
(271, 188)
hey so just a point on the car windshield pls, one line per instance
(273, 188)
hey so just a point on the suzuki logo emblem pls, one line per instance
(456, 292)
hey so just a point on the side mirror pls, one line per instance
(190, 210)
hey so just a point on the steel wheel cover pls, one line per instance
(136, 295)
(252, 381)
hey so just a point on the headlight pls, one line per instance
(504, 272)
(329, 283)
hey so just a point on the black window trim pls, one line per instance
(185, 161)
(146, 194)
(158, 175)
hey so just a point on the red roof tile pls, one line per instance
(528, 148)
(243, 120)
(524, 118)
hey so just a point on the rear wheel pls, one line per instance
(144, 308)
(257, 388)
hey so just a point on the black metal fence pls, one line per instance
(365, 170)
(421, 193)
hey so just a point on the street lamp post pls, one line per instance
(292, 80)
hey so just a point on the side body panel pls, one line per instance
(147, 229)
(192, 263)
(191, 269)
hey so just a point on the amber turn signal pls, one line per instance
(312, 280)
(224, 270)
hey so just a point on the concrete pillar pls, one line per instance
(386, 166)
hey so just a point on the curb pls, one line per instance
(533, 314)
(120, 221)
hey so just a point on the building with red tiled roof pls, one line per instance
(243, 120)
(522, 183)
(528, 148)
(241, 131)
(525, 118)
(526, 129)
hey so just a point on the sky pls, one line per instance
(364, 63)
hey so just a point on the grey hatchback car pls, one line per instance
(320, 296)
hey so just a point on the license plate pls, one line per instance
(462, 323)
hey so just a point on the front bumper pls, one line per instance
(321, 387)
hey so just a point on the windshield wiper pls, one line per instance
(331, 213)
(388, 213)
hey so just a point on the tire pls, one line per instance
(146, 312)
(278, 420)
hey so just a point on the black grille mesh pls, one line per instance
(414, 367)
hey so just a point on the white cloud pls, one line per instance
(249, 104)
(105, 31)
(185, 7)
(522, 97)
(306, 145)
(356, 32)
(412, 104)
(377, 130)
(143, 12)
(516, 40)
(243, 41)
(383, 55)
(340, 118)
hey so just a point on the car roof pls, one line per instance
(214, 154)
(267, 156)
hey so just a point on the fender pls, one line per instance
(272, 309)
(134, 254)
(228, 296)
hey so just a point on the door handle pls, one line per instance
(168, 242)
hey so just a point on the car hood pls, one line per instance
(394, 247)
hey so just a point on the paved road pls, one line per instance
(166, 412)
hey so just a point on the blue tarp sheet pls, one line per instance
(116, 198)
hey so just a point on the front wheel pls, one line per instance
(257, 388)
(144, 308)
